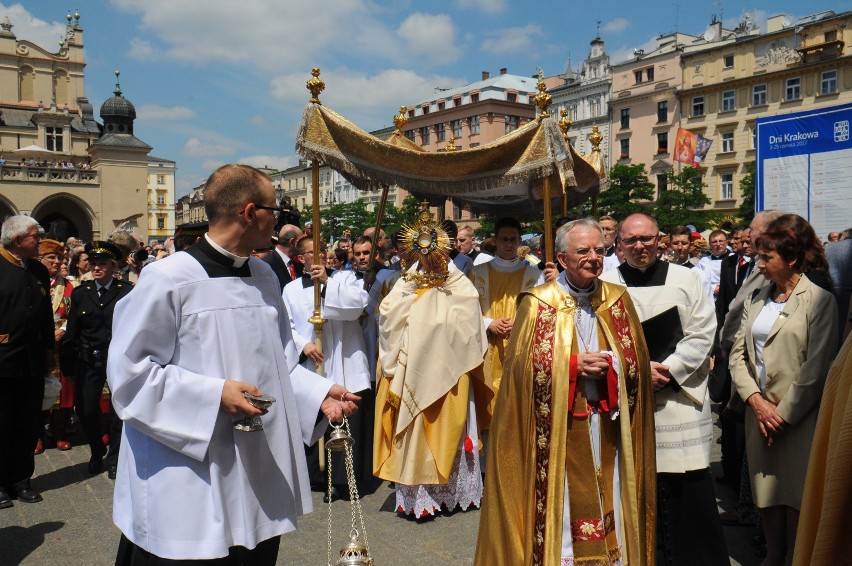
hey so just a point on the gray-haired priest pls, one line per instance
(571, 458)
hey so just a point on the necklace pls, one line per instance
(585, 342)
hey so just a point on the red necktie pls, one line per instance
(292, 270)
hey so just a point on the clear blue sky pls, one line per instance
(219, 81)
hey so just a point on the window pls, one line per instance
(729, 61)
(649, 73)
(729, 101)
(161, 179)
(474, 97)
(457, 211)
(409, 134)
(425, 110)
(161, 197)
(698, 106)
(727, 142)
(440, 132)
(456, 102)
(662, 184)
(828, 82)
(625, 148)
(625, 117)
(511, 97)
(830, 36)
(442, 105)
(161, 223)
(457, 128)
(638, 75)
(726, 188)
(411, 113)
(53, 137)
(474, 126)
(794, 89)
(663, 142)
(758, 95)
(662, 111)
(424, 135)
(512, 123)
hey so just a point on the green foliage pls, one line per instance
(682, 202)
(628, 186)
(747, 186)
(355, 216)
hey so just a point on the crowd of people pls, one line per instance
(572, 401)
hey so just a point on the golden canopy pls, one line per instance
(506, 172)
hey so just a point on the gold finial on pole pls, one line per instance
(400, 120)
(315, 85)
(565, 123)
(542, 99)
(451, 146)
(596, 138)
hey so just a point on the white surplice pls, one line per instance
(343, 340)
(188, 485)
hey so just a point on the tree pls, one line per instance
(683, 201)
(746, 209)
(628, 184)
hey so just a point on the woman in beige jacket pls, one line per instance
(779, 363)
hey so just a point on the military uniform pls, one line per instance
(84, 355)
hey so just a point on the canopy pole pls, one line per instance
(548, 223)
(315, 85)
(564, 204)
(595, 207)
(379, 217)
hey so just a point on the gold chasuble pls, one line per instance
(822, 538)
(498, 298)
(540, 436)
(429, 341)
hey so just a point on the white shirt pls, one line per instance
(760, 331)
(342, 339)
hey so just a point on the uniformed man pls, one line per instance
(85, 348)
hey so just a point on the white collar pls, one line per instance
(238, 260)
(508, 265)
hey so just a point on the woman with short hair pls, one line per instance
(779, 363)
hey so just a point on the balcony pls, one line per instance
(821, 51)
(48, 175)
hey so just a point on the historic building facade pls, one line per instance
(644, 107)
(585, 98)
(161, 198)
(793, 66)
(74, 175)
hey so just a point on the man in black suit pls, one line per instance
(282, 260)
(732, 273)
(26, 351)
(85, 345)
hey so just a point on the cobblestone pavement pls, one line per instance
(73, 525)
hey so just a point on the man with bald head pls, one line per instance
(679, 323)
(282, 261)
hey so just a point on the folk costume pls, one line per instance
(679, 323)
(429, 408)
(189, 485)
(499, 282)
(345, 361)
(571, 461)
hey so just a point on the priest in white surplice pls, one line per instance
(201, 329)
(343, 356)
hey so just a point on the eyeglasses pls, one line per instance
(586, 252)
(644, 239)
(275, 210)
